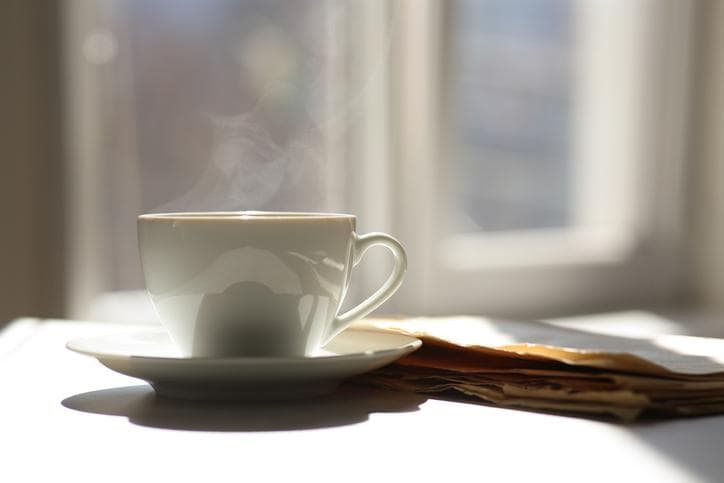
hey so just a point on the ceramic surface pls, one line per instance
(152, 356)
(244, 284)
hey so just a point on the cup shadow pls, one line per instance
(350, 404)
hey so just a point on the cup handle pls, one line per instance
(393, 282)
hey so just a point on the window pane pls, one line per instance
(509, 90)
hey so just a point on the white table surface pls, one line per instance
(64, 417)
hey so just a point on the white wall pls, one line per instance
(706, 187)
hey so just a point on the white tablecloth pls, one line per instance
(64, 417)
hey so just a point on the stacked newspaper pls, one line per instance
(545, 367)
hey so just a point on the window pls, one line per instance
(538, 164)
(509, 92)
(528, 153)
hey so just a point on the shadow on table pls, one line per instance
(140, 404)
(693, 443)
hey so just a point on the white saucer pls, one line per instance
(151, 356)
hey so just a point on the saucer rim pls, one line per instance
(412, 344)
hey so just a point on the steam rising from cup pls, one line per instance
(270, 156)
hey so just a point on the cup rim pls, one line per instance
(244, 215)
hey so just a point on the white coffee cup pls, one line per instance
(256, 284)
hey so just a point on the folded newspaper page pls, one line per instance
(541, 366)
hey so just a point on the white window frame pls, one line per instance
(636, 261)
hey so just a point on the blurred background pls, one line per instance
(537, 158)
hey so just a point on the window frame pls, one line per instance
(644, 269)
